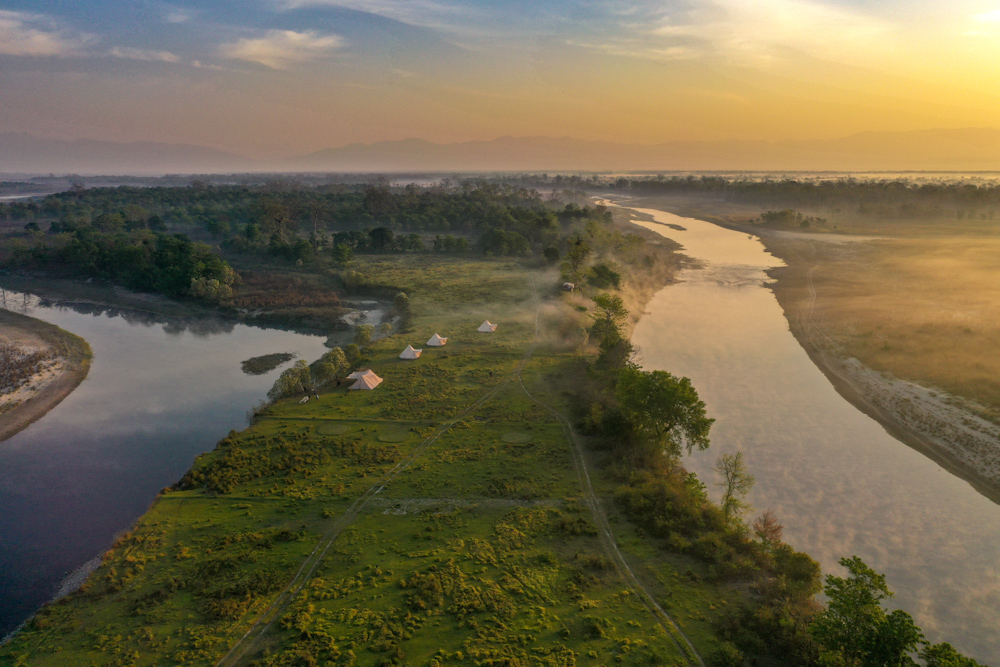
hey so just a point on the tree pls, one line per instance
(736, 483)
(604, 276)
(291, 381)
(577, 254)
(943, 655)
(385, 329)
(767, 529)
(352, 352)
(664, 410)
(401, 303)
(342, 253)
(856, 629)
(330, 366)
(363, 335)
(609, 317)
(275, 218)
(551, 254)
(382, 239)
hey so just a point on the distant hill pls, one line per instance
(929, 150)
(936, 150)
(25, 153)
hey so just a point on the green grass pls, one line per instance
(480, 550)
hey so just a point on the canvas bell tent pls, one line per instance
(486, 327)
(367, 381)
(410, 353)
(437, 341)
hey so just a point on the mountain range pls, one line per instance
(972, 149)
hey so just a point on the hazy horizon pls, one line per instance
(268, 79)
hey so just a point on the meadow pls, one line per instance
(477, 549)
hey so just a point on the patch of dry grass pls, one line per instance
(924, 309)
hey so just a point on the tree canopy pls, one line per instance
(664, 410)
(856, 628)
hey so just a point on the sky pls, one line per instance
(277, 77)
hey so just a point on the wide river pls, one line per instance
(159, 393)
(838, 482)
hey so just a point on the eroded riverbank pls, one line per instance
(66, 365)
(159, 392)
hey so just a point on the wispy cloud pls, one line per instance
(445, 16)
(144, 54)
(759, 30)
(27, 34)
(280, 49)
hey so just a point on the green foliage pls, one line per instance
(736, 484)
(605, 275)
(363, 334)
(856, 628)
(141, 260)
(502, 243)
(664, 411)
(944, 655)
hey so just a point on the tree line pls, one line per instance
(645, 421)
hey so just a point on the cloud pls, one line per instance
(423, 13)
(280, 49)
(144, 54)
(760, 30)
(26, 34)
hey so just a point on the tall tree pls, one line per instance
(664, 410)
(855, 629)
(736, 484)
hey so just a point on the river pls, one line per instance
(838, 482)
(159, 392)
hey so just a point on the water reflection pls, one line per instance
(27, 304)
(839, 483)
(160, 391)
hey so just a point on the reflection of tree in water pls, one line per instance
(202, 327)
(26, 303)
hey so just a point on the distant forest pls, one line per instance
(894, 198)
(141, 237)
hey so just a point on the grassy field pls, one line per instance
(923, 309)
(477, 549)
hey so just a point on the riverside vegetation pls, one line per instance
(446, 517)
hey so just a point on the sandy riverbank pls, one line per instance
(945, 428)
(57, 379)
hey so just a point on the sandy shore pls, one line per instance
(941, 426)
(60, 377)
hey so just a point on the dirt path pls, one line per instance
(611, 544)
(72, 365)
(250, 643)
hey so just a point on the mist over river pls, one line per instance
(160, 391)
(838, 482)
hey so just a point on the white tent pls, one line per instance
(486, 327)
(368, 381)
(437, 341)
(356, 375)
(410, 353)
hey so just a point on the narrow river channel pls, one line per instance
(838, 482)
(159, 393)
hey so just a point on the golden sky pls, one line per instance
(273, 77)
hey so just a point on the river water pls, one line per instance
(838, 482)
(159, 393)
